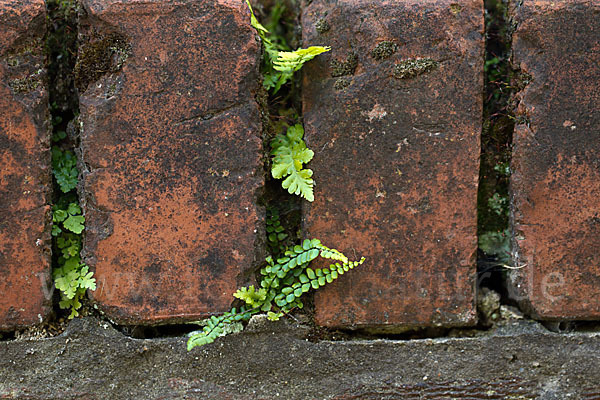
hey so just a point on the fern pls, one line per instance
(72, 278)
(283, 282)
(230, 322)
(275, 232)
(279, 63)
(292, 61)
(289, 154)
(64, 168)
(286, 275)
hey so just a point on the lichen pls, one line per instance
(27, 84)
(455, 8)
(322, 25)
(100, 56)
(344, 68)
(413, 67)
(383, 50)
(341, 83)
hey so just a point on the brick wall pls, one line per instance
(171, 156)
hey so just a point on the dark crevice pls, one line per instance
(493, 207)
(283, 109)
(155, 332)
(61, 50)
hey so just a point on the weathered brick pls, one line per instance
(393, 113)
(25, 180)
(171, 150)
(556, 166)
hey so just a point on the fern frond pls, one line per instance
(291, 61)
(289, 155)
(254, 22)
(64, 168)
(322, 276)
(275, 232)
(296, 278)
(279, 64)
(282, 285)
(251, 296)
(229, 322)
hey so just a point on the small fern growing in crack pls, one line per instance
(71, 277)
(283, 282)
(289, 151)
(279, 64)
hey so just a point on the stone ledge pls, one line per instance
(92, 360)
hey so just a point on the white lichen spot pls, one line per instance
(378, 112)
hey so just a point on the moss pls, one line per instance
(383, 50)
(100, 56)
(341, 83)
(344, 68)
(322, 25)
(414, 67)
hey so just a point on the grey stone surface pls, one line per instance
(91, 360)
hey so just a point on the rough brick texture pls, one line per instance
(172, 155)
(556, 159)
(25, 181)
(393, 113)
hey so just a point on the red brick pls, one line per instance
(396, 158)
(172, 151)
(556, 167)
(25, 180)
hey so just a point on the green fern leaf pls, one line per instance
(59, 215)
(289, 155)
(74, 223)
(254, 22)
(290, 61)
(64, 168)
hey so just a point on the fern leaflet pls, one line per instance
(289, 154)
(291, 61)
